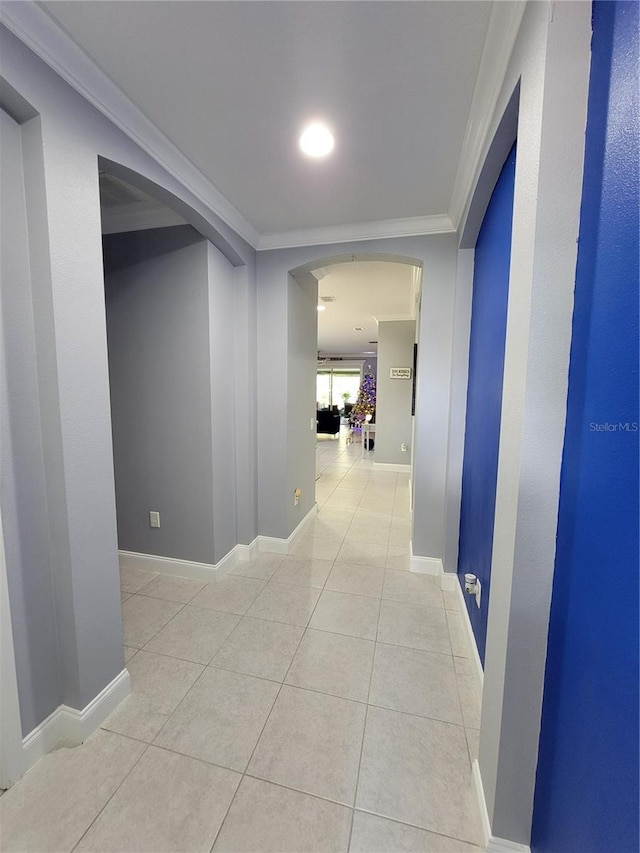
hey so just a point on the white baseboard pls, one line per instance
(426, 565)
(448, 581)
(281, 546)
(502, 845)
(272, 545)
(492, 843)
(80, 724)
(168, 565)
(207, 571)
(243, 553)
(186, 568)
(69, 727)
(471, 640)
(478, 789)
(43, 738)
(388, 466)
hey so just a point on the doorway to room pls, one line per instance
(169, 293)
(484, 397)
(367, 334)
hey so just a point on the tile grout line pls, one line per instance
(283, 682)
(364, 728)
(268, 717)
(115, 791)
(140, 648)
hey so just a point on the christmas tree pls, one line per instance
(365, 403)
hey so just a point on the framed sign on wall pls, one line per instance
(400, 373)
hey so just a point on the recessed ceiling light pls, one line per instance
(322, 307)
(316, 140)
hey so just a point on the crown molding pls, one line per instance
(40, 33)
(414, 226)
(33, 26)
(502, 31)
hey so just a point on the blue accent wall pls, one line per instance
(484, 394)
(586, 798)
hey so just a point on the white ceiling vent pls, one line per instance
(358, 329)
(328, 298)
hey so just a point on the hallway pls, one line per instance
(317, 701)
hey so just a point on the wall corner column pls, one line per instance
(63, 210)
(552, 60)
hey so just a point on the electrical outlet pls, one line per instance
(403, 447)
(154, 519)
(312, 424)
(478, 592)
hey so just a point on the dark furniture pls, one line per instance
(327, 422)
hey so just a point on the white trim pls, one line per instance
(388, 466)
(11, 753)
(185, 568)
(69, 727)
(471, 639)
(502, 31)
(47, 40)
(33, 26)
(411, 226)
(426, 565)
(244, 553)
(491, 843)
(273, 545)
(207, 571)
(502, 845)
(80, 724)
(449, 581)
(168, 565)
(478, 790)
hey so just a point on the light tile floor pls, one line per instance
(320, 701)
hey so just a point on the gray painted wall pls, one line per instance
(458, 405)
(302, 334)
(245, 348)
(433, 388)
(224, 389)
(61, 146)
(393, 396)
(23, 502)
(272, 406)
(68, 300)
(158, 332)
(437, 256)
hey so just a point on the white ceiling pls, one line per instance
(232, 83)
(365, 292)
